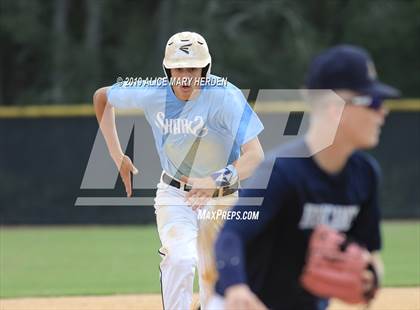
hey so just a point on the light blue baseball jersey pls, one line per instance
(197, 137)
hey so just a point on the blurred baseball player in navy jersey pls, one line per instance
(206, 135)
(260, 263)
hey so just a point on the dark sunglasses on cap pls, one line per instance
(374, 103)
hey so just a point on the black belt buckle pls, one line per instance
(224, 191)
(219, 192)
(175, 183)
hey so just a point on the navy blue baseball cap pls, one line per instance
(347, 67)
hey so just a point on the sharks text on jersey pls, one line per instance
(181, 125)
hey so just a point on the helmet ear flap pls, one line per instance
(168, 73)
(205, 70)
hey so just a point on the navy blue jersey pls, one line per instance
(269, 253)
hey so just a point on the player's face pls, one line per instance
(186, 80)
(361, 125)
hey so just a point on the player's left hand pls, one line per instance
(201, 192)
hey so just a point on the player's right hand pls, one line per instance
(127, 168)
(240, 297)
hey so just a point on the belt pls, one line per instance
(219, 192)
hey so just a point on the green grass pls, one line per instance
(401, 253)
(54, 261)
(78, 260)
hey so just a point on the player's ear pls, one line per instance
(335, 112)
(333, 108)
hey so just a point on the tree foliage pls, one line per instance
(60, 51)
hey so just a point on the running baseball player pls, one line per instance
(318, 233)
(206, 136)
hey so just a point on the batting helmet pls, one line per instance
(186, 50)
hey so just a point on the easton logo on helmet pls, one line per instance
(185, 48)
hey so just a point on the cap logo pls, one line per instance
(185, 48)
(371, 71)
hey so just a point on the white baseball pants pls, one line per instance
(178, 228)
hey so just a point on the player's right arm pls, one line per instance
(105, 115)
(230, 244)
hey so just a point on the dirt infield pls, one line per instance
(388, 299)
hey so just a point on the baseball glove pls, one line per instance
(338, 268)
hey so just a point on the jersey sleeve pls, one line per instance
(366, 227)
(239, 118)
(120, 96)
(235, 234)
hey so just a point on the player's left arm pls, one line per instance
(244, 127)
(203, 188)
(252, 155)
